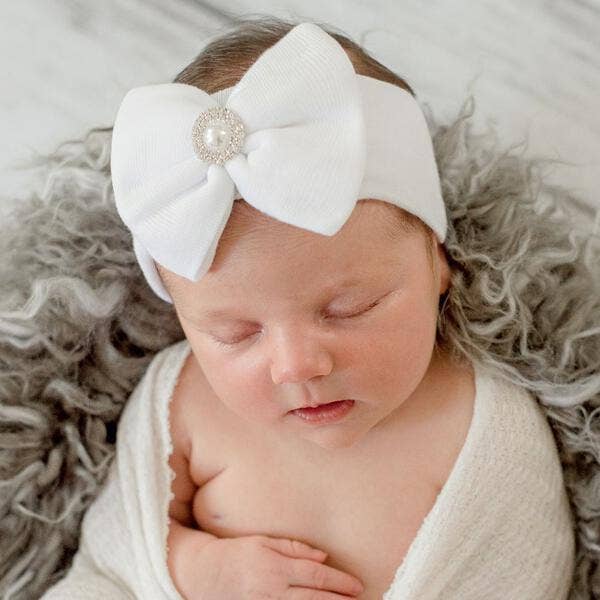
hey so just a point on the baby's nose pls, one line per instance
(298, 358)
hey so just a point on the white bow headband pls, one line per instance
(301, 137)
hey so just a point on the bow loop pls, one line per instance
(304, 159)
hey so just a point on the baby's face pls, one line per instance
(295, 322)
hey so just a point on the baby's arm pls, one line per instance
(184, 538)
(183, 529)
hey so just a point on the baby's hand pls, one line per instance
(256, 566)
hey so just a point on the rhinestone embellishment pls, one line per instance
(217, 134)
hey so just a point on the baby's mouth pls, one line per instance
(324, 413)
(317, 404)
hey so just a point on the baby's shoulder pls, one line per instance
(194, 424)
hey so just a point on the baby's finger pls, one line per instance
(306, 573)
(293, 548)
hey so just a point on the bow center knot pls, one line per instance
(218, 133)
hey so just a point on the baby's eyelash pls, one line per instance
(355, 315)
(360, 312)
(226, 344)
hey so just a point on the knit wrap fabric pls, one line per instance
(500, 529)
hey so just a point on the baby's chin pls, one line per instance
(351, 434)
(335, 438)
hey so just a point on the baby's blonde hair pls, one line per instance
(223, 61)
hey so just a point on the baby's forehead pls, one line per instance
(370, 219)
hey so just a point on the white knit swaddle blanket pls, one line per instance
(500, 529)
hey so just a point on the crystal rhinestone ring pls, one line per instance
(217, 134)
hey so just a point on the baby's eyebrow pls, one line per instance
(215, 314)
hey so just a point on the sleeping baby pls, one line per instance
(314, 405)
(312, 437)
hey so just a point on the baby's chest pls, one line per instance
(364, 514)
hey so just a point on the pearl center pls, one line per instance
(217, 136)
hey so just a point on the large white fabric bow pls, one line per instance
(301, 158)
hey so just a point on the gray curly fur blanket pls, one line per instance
(79, 326)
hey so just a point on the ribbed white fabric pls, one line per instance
(500, 529)
(319, 137)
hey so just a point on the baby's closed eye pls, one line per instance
(360, 310)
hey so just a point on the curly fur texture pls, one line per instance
(79, 326)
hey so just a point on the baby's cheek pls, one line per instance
(400, 351)
(406, 337)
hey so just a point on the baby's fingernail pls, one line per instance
(359, 588)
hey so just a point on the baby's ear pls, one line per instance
(443, 267)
